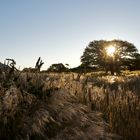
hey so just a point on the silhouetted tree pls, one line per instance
(29, 69)
(132, 64)
(83, 69)
(95, 54)
(57, 68)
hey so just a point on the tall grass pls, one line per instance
(49, 107)
(117, 97)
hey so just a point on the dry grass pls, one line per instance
(117, 97)
(43, 107)
(69, 106)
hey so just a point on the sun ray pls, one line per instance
(110, 50)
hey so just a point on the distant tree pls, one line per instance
(28, 69)
(57, 68)
(83, 69)
(110, 55)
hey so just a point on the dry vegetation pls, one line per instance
(41, 106)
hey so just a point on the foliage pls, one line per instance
(95, 54)
(83, 69)
(29, 70)
(57, 68)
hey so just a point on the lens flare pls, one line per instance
(110, 50)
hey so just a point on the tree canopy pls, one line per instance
(110, 55)
(58, 68)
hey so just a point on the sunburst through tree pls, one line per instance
(110, 55)
(110, 50)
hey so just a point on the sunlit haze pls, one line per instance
(59, 30)
(110, 50)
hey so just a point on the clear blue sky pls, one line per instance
(59, 30)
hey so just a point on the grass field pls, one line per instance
(59, 106)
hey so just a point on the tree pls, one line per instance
(57, 68)
(83, 69)
(109, 55)
(133, 64)
(29, 69)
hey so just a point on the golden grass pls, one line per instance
(36, 107)
(116, 96)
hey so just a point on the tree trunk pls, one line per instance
(112, 72)
(112, 69)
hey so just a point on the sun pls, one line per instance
(110, 50)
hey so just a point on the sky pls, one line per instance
(59, 30)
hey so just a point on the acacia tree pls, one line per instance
(58, 68)
(99, 54)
